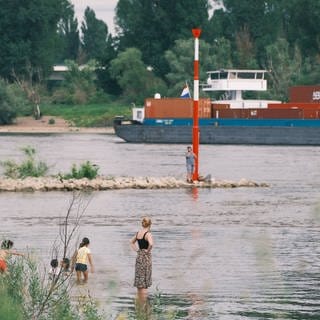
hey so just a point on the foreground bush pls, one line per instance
(27, 293)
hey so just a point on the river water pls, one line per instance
(242, 253)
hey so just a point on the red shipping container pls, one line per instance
(258, 113)
(310, 94)
(280, 113)
(168, 108)
(205, 108)
(311, 114)
(294, 105)
(231, 113)
(175, 108)
(218, 106)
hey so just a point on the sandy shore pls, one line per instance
(30, 125)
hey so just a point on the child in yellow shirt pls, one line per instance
(83, 257)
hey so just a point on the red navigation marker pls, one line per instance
(195, 130)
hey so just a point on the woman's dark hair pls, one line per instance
(66, 262)
(6, 244)
(84, 242)
(54, 263)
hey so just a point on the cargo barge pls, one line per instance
(231, 119)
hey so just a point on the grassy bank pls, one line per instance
(91, 115)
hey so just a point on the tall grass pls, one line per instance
(29, 167)
(85, 170)
(29, 294)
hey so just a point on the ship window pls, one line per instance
(246, 75)
(139, 114)
(218, 75)
(223, 75)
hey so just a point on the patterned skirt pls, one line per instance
(143, 270)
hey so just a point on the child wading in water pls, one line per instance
(54, 270)
(82, 257)
(65, 265)
(5, 251)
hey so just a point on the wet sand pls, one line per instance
(30, 125)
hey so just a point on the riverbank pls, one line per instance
(48, 124)
(112, 183)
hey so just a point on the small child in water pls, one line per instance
(55, 270)
(5, 251)
(65, 267)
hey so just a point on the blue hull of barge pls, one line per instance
(235, 122)
(223, 131)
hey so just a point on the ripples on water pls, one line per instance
(247, 253)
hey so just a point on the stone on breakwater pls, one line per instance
(106, 183)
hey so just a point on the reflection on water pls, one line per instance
(247, 253)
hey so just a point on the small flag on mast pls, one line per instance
(185, 92)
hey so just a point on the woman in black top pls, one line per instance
(143, 268)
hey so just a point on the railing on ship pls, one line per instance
(232, 79)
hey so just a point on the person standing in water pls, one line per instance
(142, 243)
(190, 160)
(82, 257)
(5, 251)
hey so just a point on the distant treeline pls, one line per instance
(152, 50)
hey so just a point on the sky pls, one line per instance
(104, 10)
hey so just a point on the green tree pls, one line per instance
(221, 54)
(69, 35)
(79, 86)
(285, 67)
(99, 45)
(310, 72)
(94, 35)
(8, 109)
(256, 23)
(218, 26)
(28, 34)
(300, 24)
(180, 59)
(105, 80)
(136, 80)
(245, 54)
(153, 26)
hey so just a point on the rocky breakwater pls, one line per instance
(112, 183)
